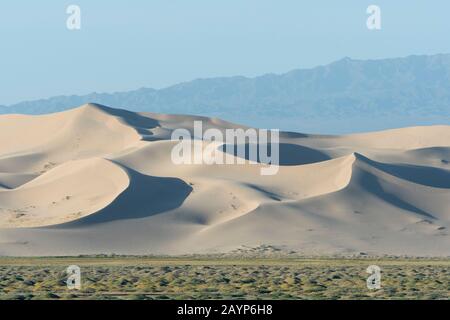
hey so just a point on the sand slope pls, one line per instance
(101, 180)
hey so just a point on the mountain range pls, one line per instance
(372, 94)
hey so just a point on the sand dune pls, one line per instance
(67, 192)
(101, 180)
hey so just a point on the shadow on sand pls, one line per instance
(146, 196)
(290, 154)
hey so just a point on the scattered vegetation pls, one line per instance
(222, 278)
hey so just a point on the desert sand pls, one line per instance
(96, 180)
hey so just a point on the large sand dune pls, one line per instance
(100, 180)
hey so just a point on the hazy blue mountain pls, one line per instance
(405, 91)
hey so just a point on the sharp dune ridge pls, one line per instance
(97, 180)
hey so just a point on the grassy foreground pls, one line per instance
(223, 278)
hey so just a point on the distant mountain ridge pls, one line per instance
(409, 87)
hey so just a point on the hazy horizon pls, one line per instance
(124, 46)
(218, 77)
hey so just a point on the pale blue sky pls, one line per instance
(125, 45)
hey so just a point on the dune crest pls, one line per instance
(101, 180)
